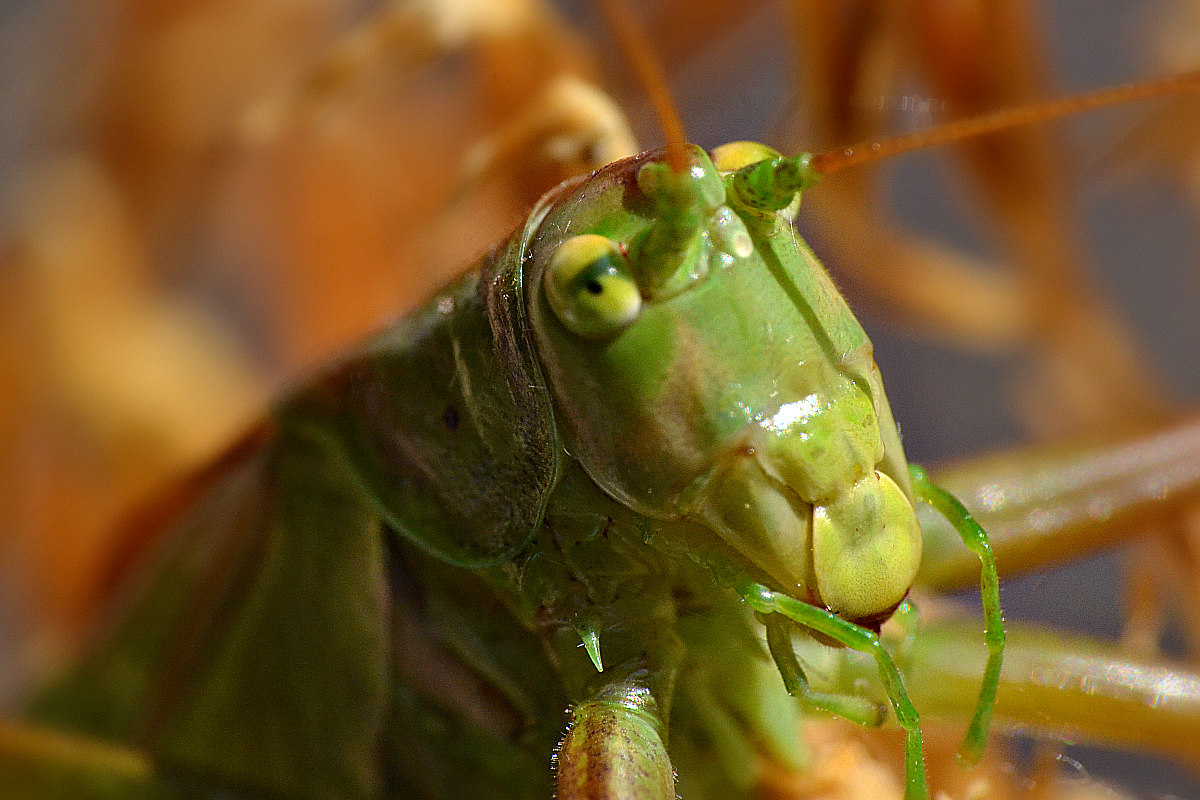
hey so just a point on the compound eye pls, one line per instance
(590, 289)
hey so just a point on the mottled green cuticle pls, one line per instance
(772, 184)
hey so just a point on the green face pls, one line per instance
(703, 366)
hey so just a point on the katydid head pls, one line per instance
(704, 368)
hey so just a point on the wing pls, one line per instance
(252, 653)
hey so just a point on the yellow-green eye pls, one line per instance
(589, 287)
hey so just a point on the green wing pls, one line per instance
(254, 656)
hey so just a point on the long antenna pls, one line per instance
(640, 53)
(866, 152)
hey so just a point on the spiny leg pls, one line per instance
(766, 601)
(975, 538)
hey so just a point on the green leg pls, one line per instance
(766, 601)
(615, 749)
(976, 540)
(856, 709)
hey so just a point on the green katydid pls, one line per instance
(511, 489)
(556, 379)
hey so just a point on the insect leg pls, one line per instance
(766, 601)
(975, 538)
(615, 748)
(1048, 504)
(856, 709)
(1072, 686)
(1061, 685)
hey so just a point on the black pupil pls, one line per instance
(593, 286)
